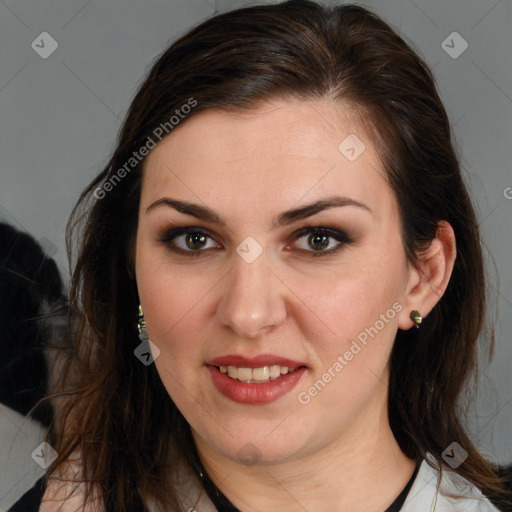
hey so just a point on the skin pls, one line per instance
(338, 451)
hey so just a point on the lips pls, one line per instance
(256, 380)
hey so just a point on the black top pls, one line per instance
(31, 500)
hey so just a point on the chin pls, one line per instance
(251, 449)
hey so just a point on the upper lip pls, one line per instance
(254, 362)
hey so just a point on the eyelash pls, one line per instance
(340, 236)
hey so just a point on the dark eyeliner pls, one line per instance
(167, 236)
(339, 235)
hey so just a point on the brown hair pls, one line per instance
(116, 410)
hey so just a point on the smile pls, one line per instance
(251, 390)
(256, 375)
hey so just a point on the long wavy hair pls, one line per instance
(115, 410)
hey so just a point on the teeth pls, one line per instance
(275, 371)
(254, 375)
(244, 374)
(261, 373)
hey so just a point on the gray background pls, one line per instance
(60, 117)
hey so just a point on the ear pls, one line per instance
(429, 279)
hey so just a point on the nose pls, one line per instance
(253, 300)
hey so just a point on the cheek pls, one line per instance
(177, 301)
(170, 304)
(351, 363)
(339, 305)
(171, 309)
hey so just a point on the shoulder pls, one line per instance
(65, 493)
(424, 496)
(66, 497)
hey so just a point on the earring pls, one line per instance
(141, 325)
(416, 318)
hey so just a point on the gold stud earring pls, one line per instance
(416, 318)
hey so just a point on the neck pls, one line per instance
(363, 470)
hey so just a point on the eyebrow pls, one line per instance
(283, 219)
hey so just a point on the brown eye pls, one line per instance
(321, 241)
(190, 241)
(195, 240)
(318, 242)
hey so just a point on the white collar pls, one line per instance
(424, 497)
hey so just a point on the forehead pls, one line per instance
(280, 151)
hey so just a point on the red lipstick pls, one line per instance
(256, 392)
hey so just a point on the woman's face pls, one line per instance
(236, 279)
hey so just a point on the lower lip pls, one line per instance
(259, 393)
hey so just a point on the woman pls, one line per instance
(284, 218)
